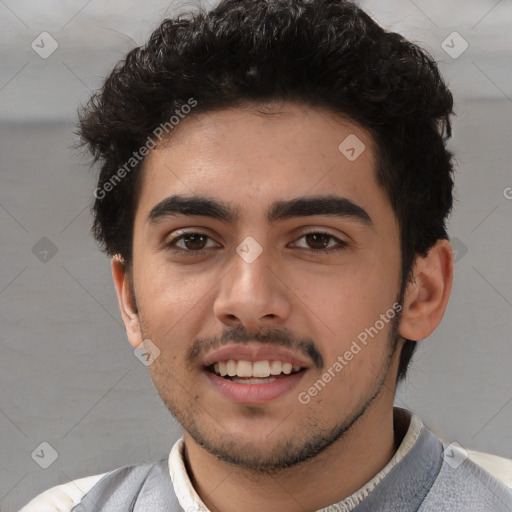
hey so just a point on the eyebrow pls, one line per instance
(329, 205)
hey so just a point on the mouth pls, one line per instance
(254, 372)
(256, 382)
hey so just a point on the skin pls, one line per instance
(236, 453)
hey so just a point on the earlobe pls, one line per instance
(126, 299)
(427, 294)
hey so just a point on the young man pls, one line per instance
(273, 192)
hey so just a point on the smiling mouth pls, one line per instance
(257, 372)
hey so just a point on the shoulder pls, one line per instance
(137, 482)
(499, 467)
(62, 498)
(470, 481)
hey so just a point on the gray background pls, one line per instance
(68, 376)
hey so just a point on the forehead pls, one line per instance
(251, 155)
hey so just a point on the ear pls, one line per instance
(427, 294)
(124, 288)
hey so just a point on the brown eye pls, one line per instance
(191, 243)
(320, 243)
(195, 241)
(318, 240)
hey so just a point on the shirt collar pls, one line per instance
(189, 499)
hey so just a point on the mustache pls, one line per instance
(240, 335)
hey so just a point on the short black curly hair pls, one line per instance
(324, 53)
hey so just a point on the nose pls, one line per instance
(253, 294)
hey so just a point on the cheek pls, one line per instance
(167, 298)
(349, 298)
(346, 309)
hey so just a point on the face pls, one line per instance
(260, 249)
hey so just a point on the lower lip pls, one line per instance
(254, 393)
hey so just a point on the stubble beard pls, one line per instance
(295, 449)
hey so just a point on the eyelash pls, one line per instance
(171, 244)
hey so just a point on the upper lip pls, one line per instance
(253, 353)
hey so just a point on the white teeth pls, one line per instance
(244, 369)
(259, 369)
(231, 365)
(275, 367)
(287, 368)
(222, 368)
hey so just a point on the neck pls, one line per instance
(336, 473)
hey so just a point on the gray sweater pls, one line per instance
(432, 477)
